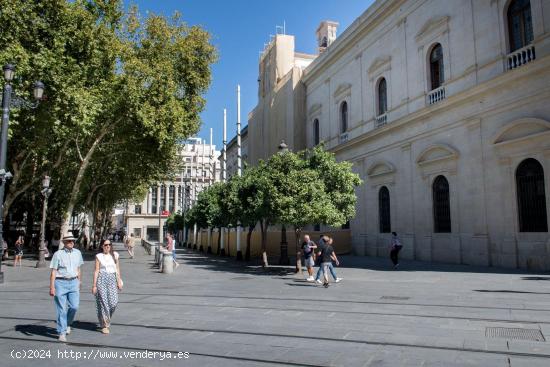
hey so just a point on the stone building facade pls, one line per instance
(443, 108)
(199, 169)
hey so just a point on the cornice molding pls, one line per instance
(447, 151)
(526, 128)
(379, 65)
(433, 28)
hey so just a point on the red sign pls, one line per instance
(165, 213)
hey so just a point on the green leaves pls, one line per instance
(291, 188)
(121, 89)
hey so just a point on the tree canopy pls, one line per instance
(121, 91)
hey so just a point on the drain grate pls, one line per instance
(514, 333)
(395, 298)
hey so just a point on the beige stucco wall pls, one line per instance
(341, 238)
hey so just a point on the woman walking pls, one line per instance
(18, 251)
(106, 281)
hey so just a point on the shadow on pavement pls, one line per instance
(505, 291)
(90, 326)
(217, 263)
(34, 329)
(535, 278)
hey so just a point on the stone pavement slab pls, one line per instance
(228, 313)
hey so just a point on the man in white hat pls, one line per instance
(65, 280)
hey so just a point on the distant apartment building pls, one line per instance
(199, 168)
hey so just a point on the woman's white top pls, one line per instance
(106, 262)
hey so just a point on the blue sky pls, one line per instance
(239, 30)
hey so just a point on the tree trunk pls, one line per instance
(218, 250)
(16, 188)
(84, 163)
(248, 239)
(30, 223)
(228, 234)
(263, 227)
(297, 233)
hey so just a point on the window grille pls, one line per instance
(344, 116)
(382, 97)
(520, 25)
(531, 197)
(436, 67)
(384, 210)
(441, 205)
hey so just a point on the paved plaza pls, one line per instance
(218, 312)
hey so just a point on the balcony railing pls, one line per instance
(381, 120)
(436, 95)
(521, 57)
(343, 137)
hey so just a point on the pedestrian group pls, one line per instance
(65, 284)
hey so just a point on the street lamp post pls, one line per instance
(9, 100)
(46, 191)
(284, 260)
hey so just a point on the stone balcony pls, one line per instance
(343, 138)
(520, 57)
(436, 95)
(381, 120)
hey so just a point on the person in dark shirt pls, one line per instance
(327, 256)
(323, 241)
(308, 248)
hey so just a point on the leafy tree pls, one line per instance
(255, 202)
(340, 183)
(121, 91)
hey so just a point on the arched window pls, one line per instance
(436, 67)
(344, 116)
(384, 210)
(316, 132)
(441, 205)
(531, 197)
(520, 26)
(382, 97)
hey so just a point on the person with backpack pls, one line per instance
(308, 247)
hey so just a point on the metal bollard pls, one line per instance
(167, 263)
(157, 254)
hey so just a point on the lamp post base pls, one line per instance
(41, 264)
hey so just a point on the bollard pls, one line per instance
(157, 254)
(167, 263)
(161, 258)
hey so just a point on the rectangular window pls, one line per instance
(154, 200)
(137, 209)
(172, 199)
(162, 198)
